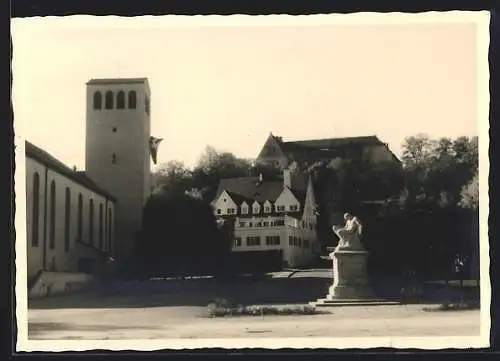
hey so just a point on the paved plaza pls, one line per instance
(191, 322)
(149, 310)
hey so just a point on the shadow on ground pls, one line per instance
(36, 328)
(298, 289)
(194, 292)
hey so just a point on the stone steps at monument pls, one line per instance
(324, 302)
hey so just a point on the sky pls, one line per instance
(230, 86)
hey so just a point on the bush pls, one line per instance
(460, 306)
(222, 308)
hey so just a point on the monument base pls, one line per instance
(351, 286)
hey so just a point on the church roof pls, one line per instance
(40, 155)
(117, 81)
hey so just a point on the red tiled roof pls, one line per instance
(34, 152)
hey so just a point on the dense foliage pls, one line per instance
(420, 214)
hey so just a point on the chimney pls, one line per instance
(259, 180)
(287, 178)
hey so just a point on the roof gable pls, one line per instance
(272, 148)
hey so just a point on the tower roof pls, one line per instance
(117, 81)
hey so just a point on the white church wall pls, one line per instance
(58, 256)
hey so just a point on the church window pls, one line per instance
(108, 101)
(52, 228)
(120, 100)
(35, 210)
(132, 100)
(91, 222)
(97, 100)
(80, 217)
(101, 235)
(146, 105)
(67, 219)
(110, 230)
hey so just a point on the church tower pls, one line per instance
(117, 154)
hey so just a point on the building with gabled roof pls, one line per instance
(274, 214)
(279, 153)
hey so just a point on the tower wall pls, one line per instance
(117, 153)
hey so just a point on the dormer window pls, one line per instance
(256, 208)
(280, 208)
(267, 209)
(294, 208)
(244, 208)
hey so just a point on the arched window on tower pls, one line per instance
(91, 222)
(109, 100)
(132, 100)
(97, 100)
(80, 217)
(67, 219)
(35, 222)
(120, 100)
(52, 225)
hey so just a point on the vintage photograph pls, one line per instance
(271, 181)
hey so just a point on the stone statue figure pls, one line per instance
(350, 234)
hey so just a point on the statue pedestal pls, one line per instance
(350, 279)
(351, 286)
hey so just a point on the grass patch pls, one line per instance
(222, 308)
(459, 306)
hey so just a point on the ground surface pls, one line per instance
(173, 309)
(190, 322)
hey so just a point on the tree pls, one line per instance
(180, 234)
(470, 194)
(172, 177)
(214, 166)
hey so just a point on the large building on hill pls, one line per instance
(77, 220)
(279, 153)
(271, 215)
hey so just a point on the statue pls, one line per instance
(350, 234)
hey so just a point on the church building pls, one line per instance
(80, 221)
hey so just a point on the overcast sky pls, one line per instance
(229, 86)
